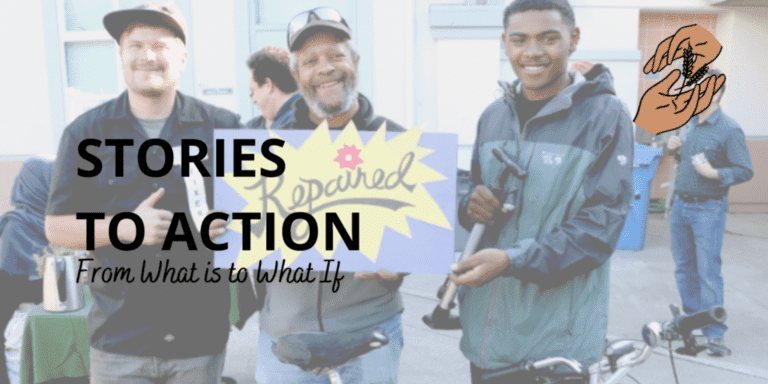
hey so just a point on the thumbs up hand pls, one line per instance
(156, 221)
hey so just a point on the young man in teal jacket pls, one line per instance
(539, 285)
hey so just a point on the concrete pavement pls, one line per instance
(642, 287)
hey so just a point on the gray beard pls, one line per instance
(325, 111)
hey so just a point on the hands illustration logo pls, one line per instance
(661, 110)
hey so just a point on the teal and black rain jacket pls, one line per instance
(570, 211)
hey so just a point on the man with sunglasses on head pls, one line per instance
(324, 62)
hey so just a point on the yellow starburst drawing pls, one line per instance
(385, 188)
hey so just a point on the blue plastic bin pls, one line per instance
(646, 162)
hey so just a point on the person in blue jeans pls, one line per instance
(713, 157)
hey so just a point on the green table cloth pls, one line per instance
(56, 344)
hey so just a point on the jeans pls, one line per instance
(697, 238)
(109, 368)
(377, 366)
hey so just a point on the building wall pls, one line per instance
(24, 103)
(751, 197)
(646, 4)
(742, 32)
(213, 40)
(392, 54)
(609, 35)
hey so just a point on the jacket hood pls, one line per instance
(597, 80)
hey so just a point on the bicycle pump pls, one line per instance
(441, 317)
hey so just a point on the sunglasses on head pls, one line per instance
(320, 13)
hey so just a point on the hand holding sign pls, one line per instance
(217, 227)
(387, 215)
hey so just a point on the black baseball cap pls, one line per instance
(309, 22)
(157, 14)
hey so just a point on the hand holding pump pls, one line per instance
(441, 317)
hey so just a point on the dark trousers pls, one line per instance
(15, 290)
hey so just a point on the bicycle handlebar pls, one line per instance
(530, 366)
(622, 355)
(628, 355)
(685, 324)
(619, 349)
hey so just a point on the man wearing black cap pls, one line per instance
(143, 332)
(324, 62)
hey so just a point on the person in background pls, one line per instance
(713, 156)
(273, 88)
(22, 235)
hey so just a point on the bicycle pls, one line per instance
(621, 356)
(324, 353)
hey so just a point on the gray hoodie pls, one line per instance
(312, 307)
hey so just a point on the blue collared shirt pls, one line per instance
(722, 141)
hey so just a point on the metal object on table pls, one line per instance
(61, 292)
(441, 317)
